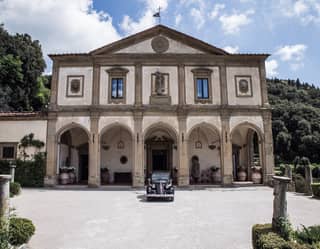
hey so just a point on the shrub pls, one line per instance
(300, 170)
(284, 228)
(300, 183)
(310, 235)
(271, 241)
(28, 173)
(4, 244)
(20, 231)
(15, 188)
(257, 231)
(316, 171)
(316, 189)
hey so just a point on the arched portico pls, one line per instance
(160, 149)
(204, 154)
(116, 154)
(247, 151)
(73, 153)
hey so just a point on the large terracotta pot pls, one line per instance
(242, 176)
(256, 177)
(64, 178)
(216, 176)
(72, 177)
(105, 177)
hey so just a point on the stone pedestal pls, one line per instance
(4, 195)
(288, 173)
(280, 199)
(308, 175)
(12, 171)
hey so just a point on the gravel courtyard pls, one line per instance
(214, 218)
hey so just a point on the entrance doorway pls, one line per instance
(160, 160)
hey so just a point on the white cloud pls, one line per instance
(129, 26)
(231, 24)
(306, 11)
(216, 10)
(232, 50)
(292, 52)
(271, 68)
(198, 17)
(178, 19)
(61, 26)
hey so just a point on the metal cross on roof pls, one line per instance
(158, 15)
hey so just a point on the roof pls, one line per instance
(148, 33)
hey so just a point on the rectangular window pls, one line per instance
(117, 88)
(202, 88)
(7, 151)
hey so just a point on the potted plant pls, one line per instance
(105, 175)
(256, 175)
(64, 175)
(215, 171)
(72, 175)
(242, 174)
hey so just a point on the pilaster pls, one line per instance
(264, 90)
(51, 151)
(223, 85)
(96, 85)
(183, 170)
(182, 84)
(268, 156)
(226, 149)
(54, 85)
(94, 152)
(138, 84)
(138, 148)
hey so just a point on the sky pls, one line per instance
(287, 29)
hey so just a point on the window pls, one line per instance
(8, 151)
(117, 85)
(202, 85)
(202, 88)
(117, 88)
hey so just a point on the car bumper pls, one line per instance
(160, 195)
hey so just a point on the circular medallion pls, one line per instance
(243, 86)
(160, 44)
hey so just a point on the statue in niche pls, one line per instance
(195, 169)
(159, 86)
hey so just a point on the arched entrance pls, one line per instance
(73, 155)
(116, 155)
(204, 155)
(161, 150)
(246, 152)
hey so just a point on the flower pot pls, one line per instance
(242, 176)
(64, 178)
(256, 177)
(72, 177)
(105, 177)
(216, 176)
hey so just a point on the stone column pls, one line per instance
(51, 149)
(280, 199)
(226, 150)
(94, 152)
(267, 153)
(138, 152)
(4, 195)
(12, 171)
(309, 180)
(183, 170)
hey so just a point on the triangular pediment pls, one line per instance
(159, 39)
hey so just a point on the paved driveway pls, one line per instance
(217, 218)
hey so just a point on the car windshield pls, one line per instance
(160, 176)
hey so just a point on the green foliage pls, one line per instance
(20, 231)
(316, 189)
(296, 119)
(29, 141)
(257, 231)
(309, 235)
(4, 238)
(15, 189)
(28, 173)
(284, 228)
(271, 241)
(21, 66)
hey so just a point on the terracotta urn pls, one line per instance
(64, 178)
(72, 177)
(242, 176)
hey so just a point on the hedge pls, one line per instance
(4, 240)
(29, 173)
(20, 231)
(257, 231)
(316, 189)
(15, 189)
(300, 183)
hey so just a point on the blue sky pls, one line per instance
(287, 29)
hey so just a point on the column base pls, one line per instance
(94, 182)
(268, 180)
(183, 181)
(138, 181)
(50, 181)
(227, 179)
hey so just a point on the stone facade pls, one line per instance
(179, 98)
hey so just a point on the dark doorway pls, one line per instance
(159, 160)
(83, 169)
(235, 160)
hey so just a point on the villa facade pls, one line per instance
(156, 100)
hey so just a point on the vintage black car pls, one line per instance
(160, 186)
